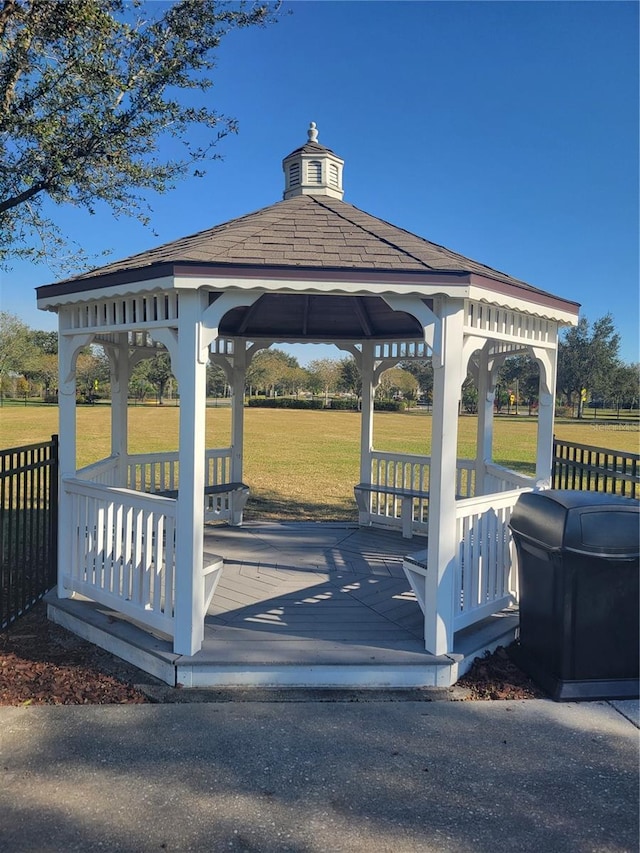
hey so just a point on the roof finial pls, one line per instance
(312, 132)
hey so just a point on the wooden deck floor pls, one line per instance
(316, 582)
(297, 604)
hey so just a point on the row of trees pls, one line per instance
(29, 367)
(589, 373)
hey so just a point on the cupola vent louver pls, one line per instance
(314, 172)
(313, 169)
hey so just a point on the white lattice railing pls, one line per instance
(487, 578)
(122, 551)
(412, 473)
(159, 472)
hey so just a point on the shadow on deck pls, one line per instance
(298, 604)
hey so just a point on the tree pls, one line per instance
(89, 92)
(139, 385)
(587, 358)
(156, 371)
(269, 370)
(397, 382)
(217, 384)
(469, 396)
(16, 348)
(295, 379)
(324, 375)
(422, 369)
(349, 379)
(625, 386)
(45, 371)
(42, 365)
(45, 342)
(92, 372)
(22, 388)
(520, 376)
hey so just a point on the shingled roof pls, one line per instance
(312, 236)
(314, 232)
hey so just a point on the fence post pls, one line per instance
(52, 502)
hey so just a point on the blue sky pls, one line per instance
(506, 131)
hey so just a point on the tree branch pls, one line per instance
(41, 186)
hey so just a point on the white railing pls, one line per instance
(410, 472)
(499, 479)
(104, 472)
(487, 578)
(398, 471)
(122, 551)
(159, 472)
(465, 478)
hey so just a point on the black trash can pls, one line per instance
(578, 570)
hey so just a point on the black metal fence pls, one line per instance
(596, 469)
(28, 526)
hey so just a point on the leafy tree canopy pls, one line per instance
(16, 347)
(350, 379)
(156, 371)
(422, 369)
(324, 375)
(89, 89)
(397, 381)
(270, 369)
(587, 359)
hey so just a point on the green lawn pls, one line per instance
(302, 463)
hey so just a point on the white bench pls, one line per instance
(215, 497)
(415, 569)
(363, 492)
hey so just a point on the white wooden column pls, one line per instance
(546, 411)
(68, 346)
(238, 379)
(190, 369)
(120, 371)
(442, 546)
(366, 419)
(486, 398)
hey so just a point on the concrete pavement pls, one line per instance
(313, 776)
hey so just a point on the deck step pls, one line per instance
(268, 663)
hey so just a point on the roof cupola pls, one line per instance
(313, 169)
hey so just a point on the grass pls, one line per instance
(303, 464)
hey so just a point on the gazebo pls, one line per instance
(310, 268)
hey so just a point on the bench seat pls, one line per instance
(406, 496)
(213, 497)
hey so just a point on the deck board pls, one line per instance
(313, 590)
(296, 604)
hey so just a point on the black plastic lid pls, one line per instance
(584, 522)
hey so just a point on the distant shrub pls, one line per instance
(340, 404)
(344, 404)
(390, 405)
(284, 403)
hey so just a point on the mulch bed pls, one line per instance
(496, 676)
(44, 664)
